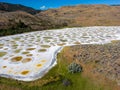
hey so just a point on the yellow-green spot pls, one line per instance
(29, 55)
(63, 40)
(1, 44)
(16, 39)
(61, 44)
(25, 60)
(45, 46)
(16, 59)
(42, 50)
(4, 66)
(17, 51)
(2, 54)
(115, 41)
(30, 48)
(25, 72)
(76, 42)
(39, 65)
(47, 37)
(25, 52)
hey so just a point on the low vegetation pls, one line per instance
(74, 68)
(20, 27)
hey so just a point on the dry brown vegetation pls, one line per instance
(100, 62)
(10, 19)
(4, 87)
(81, 15)
(85, 15)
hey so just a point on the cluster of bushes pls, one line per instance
(53, 25)
(19, 27)
(74, 68)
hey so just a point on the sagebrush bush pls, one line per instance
(74, 68)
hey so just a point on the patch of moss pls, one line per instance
(115, 41)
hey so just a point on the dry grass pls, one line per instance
(81, 15)
(115, 41)
(4, 87)
(90, 67)
(86, 15)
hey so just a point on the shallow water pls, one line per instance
(29, 56)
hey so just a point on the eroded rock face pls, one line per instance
(29, 56)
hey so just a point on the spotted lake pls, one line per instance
(29, 56)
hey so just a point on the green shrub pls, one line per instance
(74, 68)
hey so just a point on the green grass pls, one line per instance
(53, 80)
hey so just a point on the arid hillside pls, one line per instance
(85, 15)
(67, 16)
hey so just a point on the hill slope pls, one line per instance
(16, 7)
(85, 15)
(67, 16)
